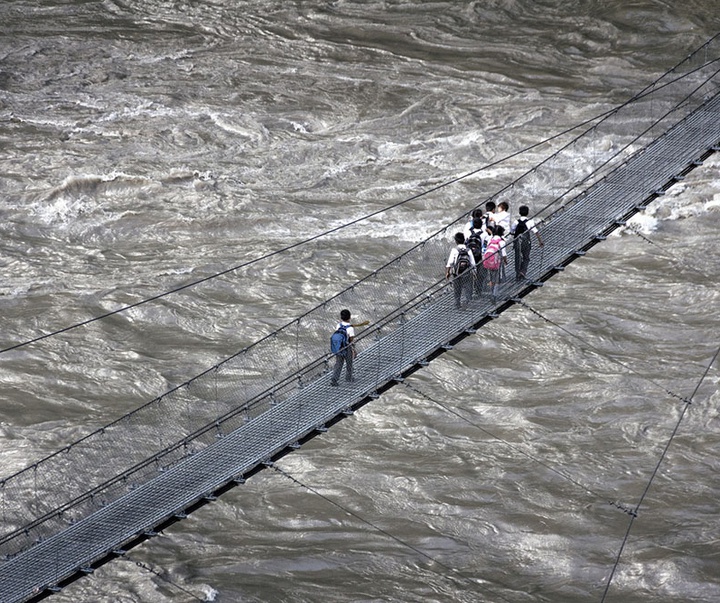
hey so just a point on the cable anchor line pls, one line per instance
(453, 573)
(599, 352)
(624, 508)
(161, 576)
(663, 454)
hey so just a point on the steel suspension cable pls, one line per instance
(663, 454)
(628, 145)
(453, 573)
(287, 247)
(600, 117)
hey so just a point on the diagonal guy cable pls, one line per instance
(452, 572)
(674, 258)
(600, 117)
(599, 352)
(688, 402)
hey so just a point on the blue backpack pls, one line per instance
(339, 340)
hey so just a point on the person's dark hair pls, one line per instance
(524, 210)
(477, 213)
(504, 205)
(490, 206)
(459, 238)
(345, 315)
(477, 223)
(498, 230)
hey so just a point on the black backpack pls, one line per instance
(475, 244)
(462, 262)
(521, 227)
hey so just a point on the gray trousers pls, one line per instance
(464, 282)
(340, 359)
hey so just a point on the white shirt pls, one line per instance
(529, 222)
(503, 219)
(349, 329)
(454, 254)
(467, 231)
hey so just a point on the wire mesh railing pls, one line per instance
(91, 473)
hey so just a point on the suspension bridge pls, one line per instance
(67, 514)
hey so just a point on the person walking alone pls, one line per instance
(341, 345)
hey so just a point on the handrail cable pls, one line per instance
(688, 402)
(308, 364)
(600, 117)
(628, 145)
(453, 572)
(410, 303)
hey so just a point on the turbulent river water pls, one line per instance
(147, 144)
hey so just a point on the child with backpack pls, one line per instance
(476, 240)
(522, 241)
(474, 222)
(495, 257)
(461, 266)
(341, 345)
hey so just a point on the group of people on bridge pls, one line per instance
(478, 259)
(480, 256)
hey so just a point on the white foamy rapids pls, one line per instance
(693, 197)
(209, 592)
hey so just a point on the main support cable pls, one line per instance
(663, 454)
(297, 244)
(628, 145)
(598, 118)
(452, 572)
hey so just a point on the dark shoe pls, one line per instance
(334, 383)
(351, 380)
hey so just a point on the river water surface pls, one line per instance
(147, 144)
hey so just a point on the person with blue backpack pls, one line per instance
(341, 346)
